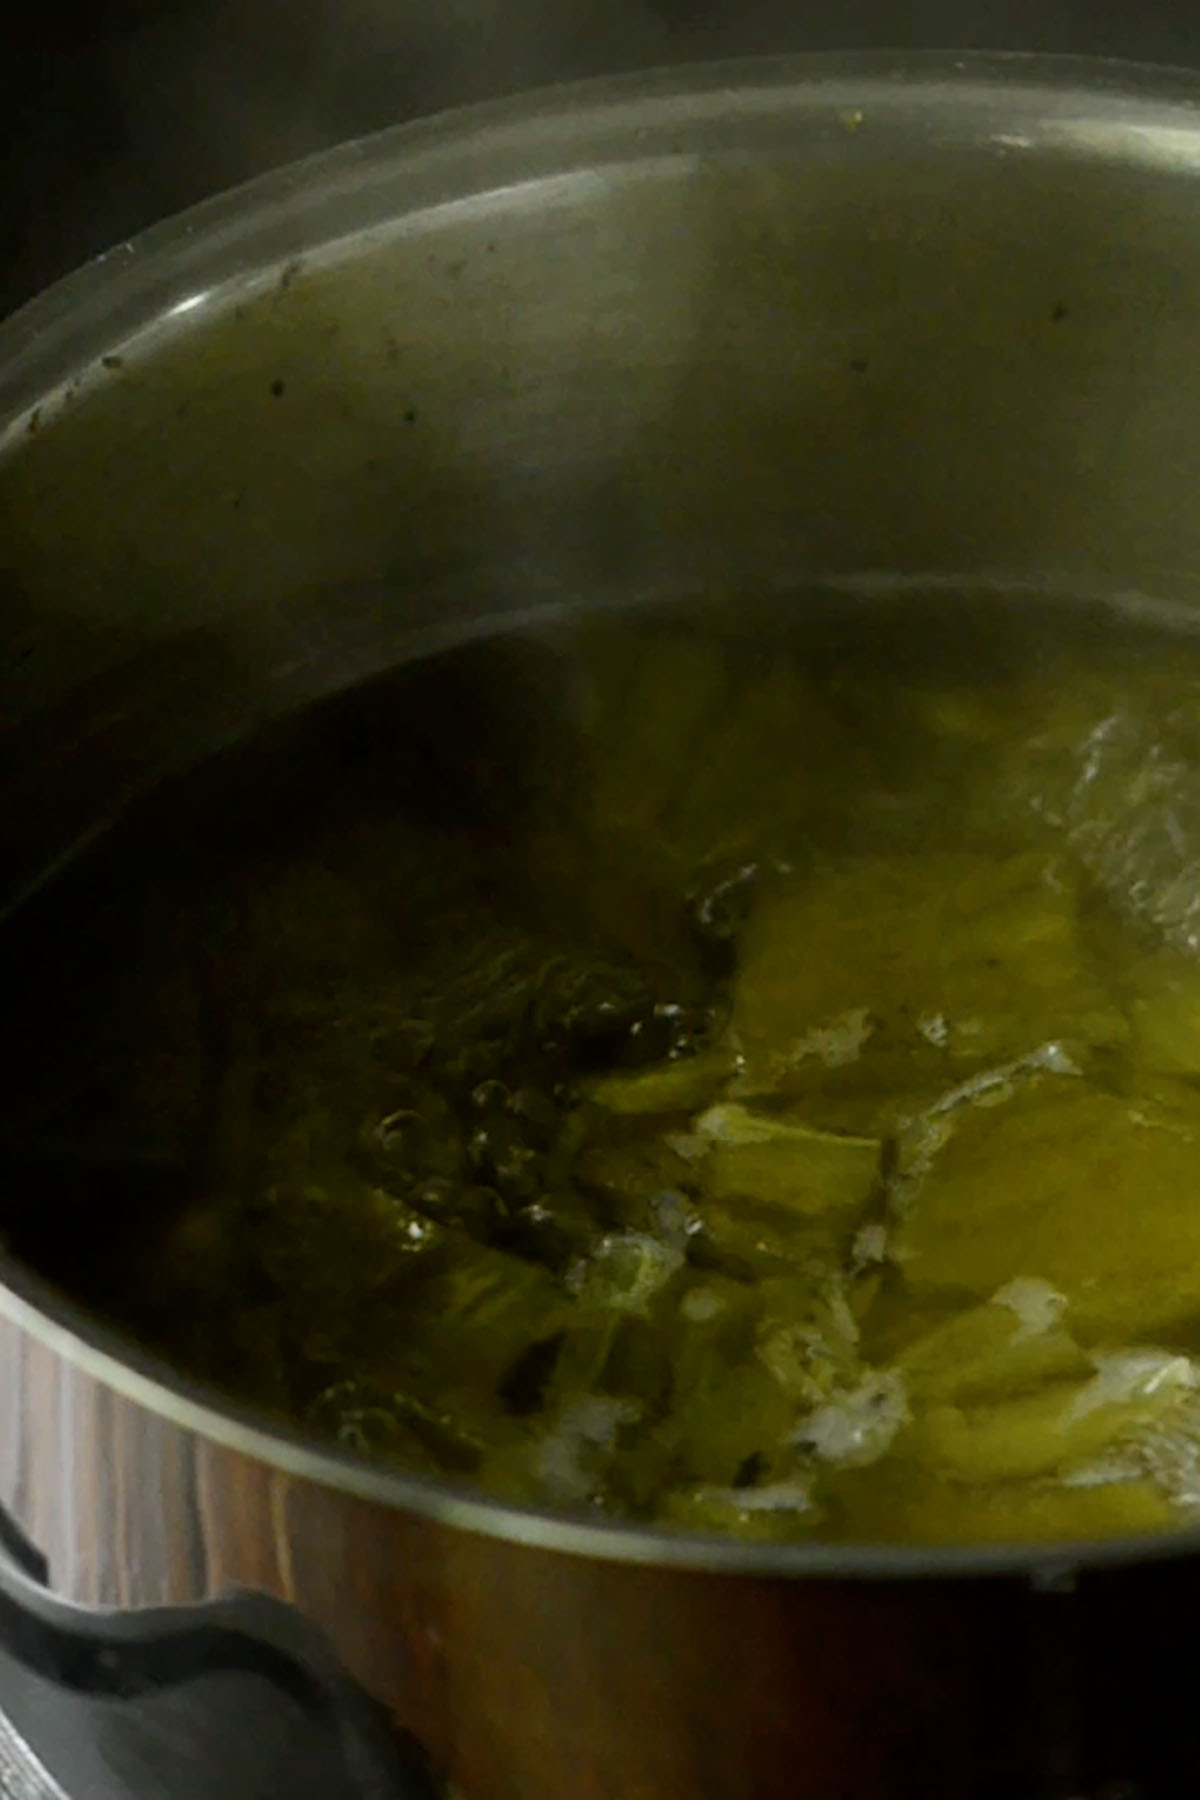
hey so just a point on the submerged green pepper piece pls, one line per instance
(1058, 1425)
(790, 1167)
(727, 1409)
(960, 958)
(1094, 1193)
(684, 1085)
(871, 1095)
(780, 1197)
(992, 1352)
(475, 1315)
(754, 1242)
(905, 1503)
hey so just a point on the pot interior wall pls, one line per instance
(900, 343)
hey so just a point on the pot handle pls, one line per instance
(240, 1697)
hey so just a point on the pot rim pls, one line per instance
(191, 264)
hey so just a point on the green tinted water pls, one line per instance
(733, 1072)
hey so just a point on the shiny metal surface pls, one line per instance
(743, 329)
(22, 1776)
(757, 325)
(120, 112)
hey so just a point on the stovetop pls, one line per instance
(239, 1698)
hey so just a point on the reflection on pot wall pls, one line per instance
(120, 112)
(635, 380)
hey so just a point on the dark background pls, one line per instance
(114, 113)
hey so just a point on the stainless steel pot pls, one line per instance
(735, 329)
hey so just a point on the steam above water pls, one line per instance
(119, 112)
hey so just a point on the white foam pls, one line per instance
(1037, 1304)
(858, 1427)
(1123, 1376)
(570, 1456)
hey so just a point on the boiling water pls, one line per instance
(741, 1071)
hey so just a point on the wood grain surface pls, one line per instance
(529, 1674)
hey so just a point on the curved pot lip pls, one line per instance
(105, 1356)
(399, 172)
(1014, 100)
